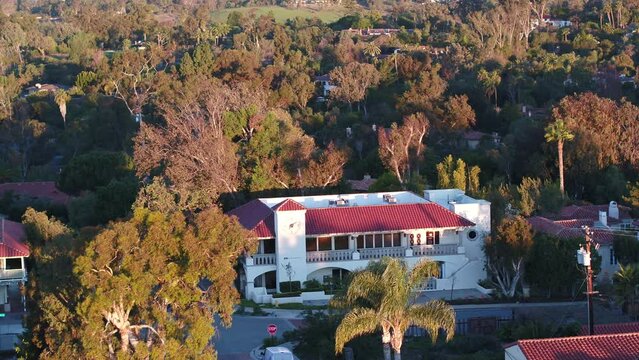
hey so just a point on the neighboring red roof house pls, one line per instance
(45, 190)
(592, 212)
(570, 229)
(596, 347)
(362, 185)
(609, 329)
(12, 240)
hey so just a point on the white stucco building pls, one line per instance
(325, 237)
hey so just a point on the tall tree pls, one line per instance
(154, 284)
(353, 81)
(401, 147)
(506, 253)
(559, 133)
(62, 98)
(391, 299)
(190, 148)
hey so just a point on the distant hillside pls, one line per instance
(281, 14)
(8, 7)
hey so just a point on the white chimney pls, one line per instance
(613, 210)
(603, 218)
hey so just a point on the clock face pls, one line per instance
(294, 226)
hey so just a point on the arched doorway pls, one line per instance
(267, 280)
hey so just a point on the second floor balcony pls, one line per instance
(378, 253)
(13, 274)
(363, 254)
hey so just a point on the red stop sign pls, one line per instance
(272, 329)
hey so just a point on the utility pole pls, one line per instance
(584, 258)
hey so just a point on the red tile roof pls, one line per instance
(40, 190)
(597, 347)
(570, 229)
(288, 205)
(356, 219)
(12, 238)
(259, 218)
(618, 328)
(590, 212)
(474, 135)
(362, 185)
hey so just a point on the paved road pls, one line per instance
(246, 333)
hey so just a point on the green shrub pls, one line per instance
(290, 286)
(312, 285)
(287, 294)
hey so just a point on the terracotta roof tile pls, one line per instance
(259, 218)
(597, 347)
(617, 328)
(288, 205)
(590, 212)
(12, 237)
(377, 218)
(40, 190)
(570, 229)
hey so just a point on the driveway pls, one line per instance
(246, 333)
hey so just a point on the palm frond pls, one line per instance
(357, 322)
(422, 271)
(432, 316)
(365, 285)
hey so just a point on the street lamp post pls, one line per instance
(584, 258)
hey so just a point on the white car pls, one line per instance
(278, 353)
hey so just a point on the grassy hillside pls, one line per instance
(281, 14)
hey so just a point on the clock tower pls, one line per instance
(290, 241)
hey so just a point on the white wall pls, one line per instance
(514, 353)
(290, 246)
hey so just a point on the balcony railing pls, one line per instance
(13, 274)
(382, 252)
(378, 253)
(259, 259)
(331, 255)
(434, 250)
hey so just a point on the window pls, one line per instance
(472, 235)
(370, 241)
(268, 246)
(324, 243)
(388, 240)
(341, 242)
(311, 244)
(432, 238)
(397, 239)
(613, 259)
(379, 239)
(360, 241)
(13, 264)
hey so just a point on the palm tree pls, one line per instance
(372, 50)
(386, 300)
(62, 98)
(558, 132)
(490, 81)
(626, 284)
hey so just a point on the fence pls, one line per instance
(476, 326)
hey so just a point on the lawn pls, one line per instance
(281, 14)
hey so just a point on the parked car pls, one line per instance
(278, 353)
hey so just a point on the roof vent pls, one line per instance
(390, 199)
(339, 202)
